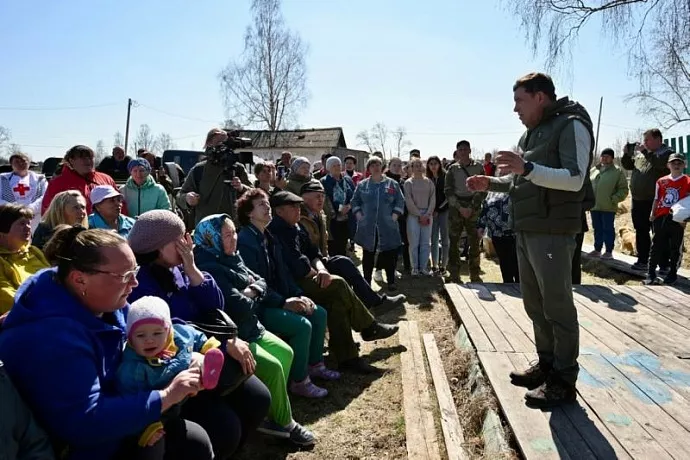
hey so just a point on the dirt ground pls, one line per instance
(362, 417)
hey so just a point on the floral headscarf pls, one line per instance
(209, 233)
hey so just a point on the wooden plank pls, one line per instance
(419, 423)
(671, 401)
(637, 405)
(669, 310)
(450, 423)
(513, 306)
(517, 339)
(639, 326)
(623, 262)
(671, 370)
(498, 340)
(588, 341)
(581, 420)
(479, 339)
(531, 429)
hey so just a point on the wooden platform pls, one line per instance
(634, 383)
(623, 263)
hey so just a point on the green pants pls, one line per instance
(544, 263)
(456, 224)
(345, 314)
(273, 361)
(304, 334)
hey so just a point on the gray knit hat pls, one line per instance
(297, 162)
(332, 161)
(154, 229)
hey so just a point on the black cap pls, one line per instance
(312, 186)
(283, 198)
(676, 156)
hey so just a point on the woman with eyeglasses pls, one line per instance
(69, 323)
(169, 271)
(78, 173)
(107, 211)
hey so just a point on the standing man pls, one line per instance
(23, 186)
(116, 164)
(463, 211)
(489, 165)
(547, 187)
(648, 163)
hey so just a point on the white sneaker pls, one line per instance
(398, 275)
(415, 272)
(426, 272)
(378, 276)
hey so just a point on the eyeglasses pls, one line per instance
(125, 278)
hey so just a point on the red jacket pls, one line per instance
(70, 180)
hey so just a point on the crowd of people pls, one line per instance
(174, 325)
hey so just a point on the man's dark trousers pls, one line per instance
(545, 262)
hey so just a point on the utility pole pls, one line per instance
(129, 110)
(596, 141)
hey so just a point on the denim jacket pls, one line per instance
(377, 202)
(495, 215)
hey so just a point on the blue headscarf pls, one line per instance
(208, 233)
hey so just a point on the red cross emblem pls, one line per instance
(21, 189)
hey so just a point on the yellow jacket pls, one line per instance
(15, 268)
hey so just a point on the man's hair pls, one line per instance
(654, 132)
(350, 157)
(78, 151)
(461, 143)
(536, 82)
(12, 212)
(245, 205)
(260, 167)
(415, 152)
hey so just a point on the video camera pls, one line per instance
(225, 155)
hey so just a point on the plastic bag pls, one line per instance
(681, 210)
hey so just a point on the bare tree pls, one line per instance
(144, 139)
(13, 149)
(267, 84)
(379, 138)
(4, 135)
(118, 140)
(654, 33)
(100, 151)
(164, 142)
(400, 140)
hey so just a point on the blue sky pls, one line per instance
(443, 69)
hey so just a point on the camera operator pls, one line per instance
(213, 186)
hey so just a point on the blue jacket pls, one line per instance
(64, 360)
(232, 277)
(336, 196)
(124, 223)
(138, 373)
(298, 252)
(263, 254)
(378, 202)
(185, 302)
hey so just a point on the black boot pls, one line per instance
(531, 377)
(378, 331)
(359, 366)
(552, 393)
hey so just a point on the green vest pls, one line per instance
(543, 210)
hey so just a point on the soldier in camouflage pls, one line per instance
(463, 212)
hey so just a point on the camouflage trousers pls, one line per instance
(456, 225)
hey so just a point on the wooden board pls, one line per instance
(493, 332)
(633, 390)
(477, 335)
(450, 423)
(420, 432)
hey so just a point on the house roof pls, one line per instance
(297, 138)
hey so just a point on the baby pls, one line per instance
(157, 350)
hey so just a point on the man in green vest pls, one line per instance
(547, 187)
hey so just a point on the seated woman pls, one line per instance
(107, 211)
(247, 294)
(168, 271)
(141, 192)
(68, 207)
(67, 376)
(18, 259)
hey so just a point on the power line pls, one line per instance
(39, 109)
